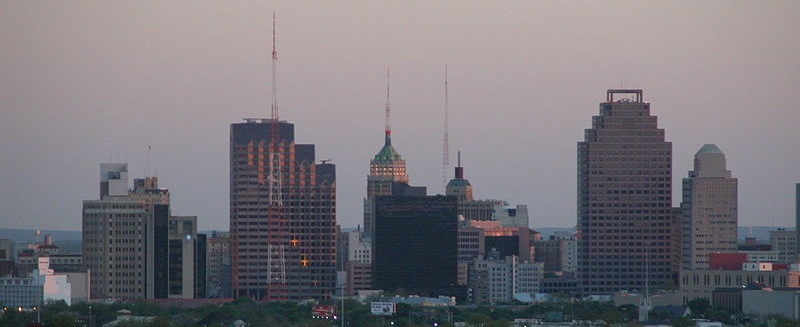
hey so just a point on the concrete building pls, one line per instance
(765, 302)
(493, 280)
(114, 246)
(624, 209)
(784, 242)
(558, 253)
(218, 263)
(700, 284)
(282, 215)
(357, 256)
(34, 291)
(709, 217)
(415, 244)
(797, 219)
(511, 217)
(126, 241)
(182, 249)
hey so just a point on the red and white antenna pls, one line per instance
(274, 115)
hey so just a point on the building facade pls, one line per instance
(218, 263)
(415, 244)
(126, 241)
(784, 242)
(709, 217)
(282, 215)
(495, 280)
(624, 209)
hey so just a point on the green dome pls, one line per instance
(387, 153)
(458, 182)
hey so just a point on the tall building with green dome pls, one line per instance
(385, 169)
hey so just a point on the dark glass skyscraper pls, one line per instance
(627, 229)
(282, 215)
(416, 244)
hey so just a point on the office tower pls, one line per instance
(415, 244)
(386, 169)
(496, 280)
(282, 215)
(200, 267)
(708, 210)
(484, 210)
(625, 199)
(129, 241)
(218, 262)
(182, 249)
(797, 218)
(114, 244)
(784, 243)
(156, 203)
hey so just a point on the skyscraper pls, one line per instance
(709, 209)
(386, 169)
(797, 217)
(415, 243)
(128, 241)
(282, 215)
(625, 199)
(124, 237)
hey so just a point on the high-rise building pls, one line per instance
(784, 243)
(218, 262)
(625, 199)
(114, 243)
(282, 215)
(496, 280)
(415, 244)
(797, 218)
(126, 241)
(386, 169)
(709, 209)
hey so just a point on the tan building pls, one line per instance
(784, 242)
(709, 209)
(699, 284)
(218, 265)
(625, 219)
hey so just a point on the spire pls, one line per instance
(459, 169)
(388, 112)
(274, 73)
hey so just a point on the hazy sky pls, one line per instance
(88, 82)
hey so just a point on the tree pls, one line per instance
(699, 306)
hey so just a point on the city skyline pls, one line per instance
(85, 83)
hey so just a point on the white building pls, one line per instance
(499, 280)
(784, 242)
(511, 217)
(29, 292)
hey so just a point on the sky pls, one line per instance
(86, 82)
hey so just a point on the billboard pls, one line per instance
(323, 311)
(382, 308)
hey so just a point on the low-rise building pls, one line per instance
(34, 291)
(772, 301)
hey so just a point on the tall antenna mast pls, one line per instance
(445, 140)
(274, 74)
(276, 257)
(388, 127)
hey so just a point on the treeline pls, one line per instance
(291, 314)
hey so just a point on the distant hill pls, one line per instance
(27, 235)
